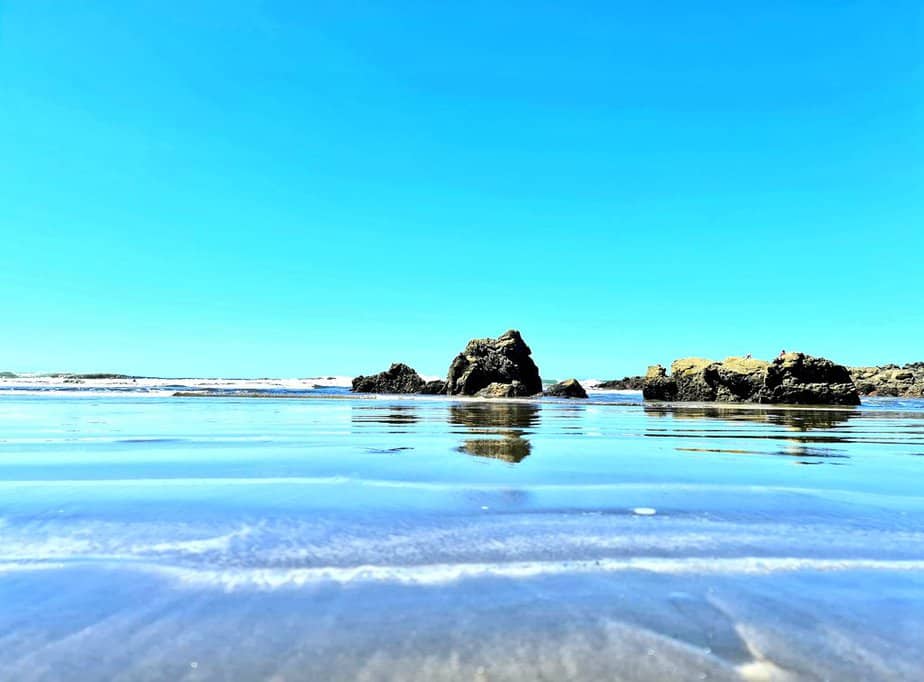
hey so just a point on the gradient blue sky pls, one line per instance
(294, 188)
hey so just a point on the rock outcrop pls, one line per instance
(691, 378)
(793, 378)
(624, 384)
(737, 379)
(569, 388)
(657, 385)
(399, 378)
(698, 379)
(435, 387)
(498, 390)
(797, 378)
(505, 360)
(906, 381)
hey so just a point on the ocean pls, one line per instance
(316, 535)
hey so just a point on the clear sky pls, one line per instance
(294, 188)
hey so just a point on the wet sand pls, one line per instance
(158, 538)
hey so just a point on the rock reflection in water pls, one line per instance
(795, 419)
(503, 424)
(399, 417)
(806, 431)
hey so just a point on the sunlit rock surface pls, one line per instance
(569, 388)
(504, 360)
(906, 381)
(791, 378)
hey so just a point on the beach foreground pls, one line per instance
(157, 538)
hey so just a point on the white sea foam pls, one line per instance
(234, 579)
(438, 574)
(165, 386)
(22, 567)
(197, 546)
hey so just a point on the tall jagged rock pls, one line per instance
(505, 360)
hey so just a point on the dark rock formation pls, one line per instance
(906, 381)
(624, 384)
(659, 386)
(101, 375)
(505, 360)
(435, 387)
(689, 374)
(569, 388)
(698, 379)
(736, 380)
(398, 378)
(701, 380)
(793, 378)
(800, 379)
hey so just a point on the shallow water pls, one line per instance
(334, 538)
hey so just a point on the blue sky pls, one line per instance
(275, 188)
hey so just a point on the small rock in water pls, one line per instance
(570, 388)
(645, 511)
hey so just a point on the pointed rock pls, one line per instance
(504, 360)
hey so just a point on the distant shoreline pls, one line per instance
(603, 398)
(903, 381)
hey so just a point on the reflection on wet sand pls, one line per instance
(504, 424)
(802, 429)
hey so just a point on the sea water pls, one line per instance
(330, 537)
